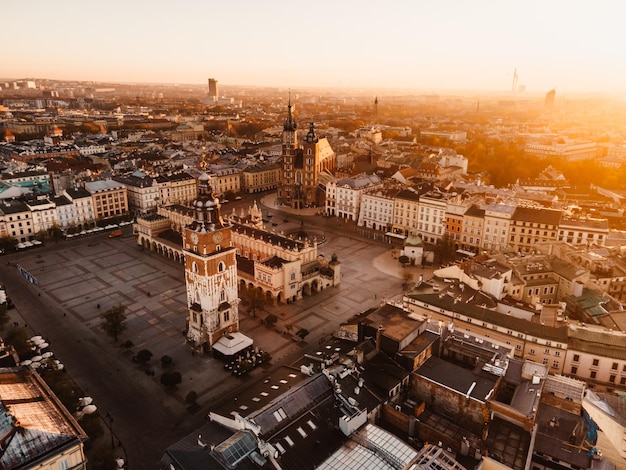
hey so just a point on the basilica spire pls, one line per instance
(290, 122)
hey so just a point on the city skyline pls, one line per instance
(449, 45)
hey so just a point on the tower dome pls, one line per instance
(207, 215)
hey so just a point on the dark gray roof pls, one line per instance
(482, 314)
(133, 180)
(77, 193)
(61, 201)
(13, 206)
(174, 177)
(457, 378)
(475, 211)
(188, 454)
(274, 262)
(293, 403)
(539, 216)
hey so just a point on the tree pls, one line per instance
(18, 338)
(143, 356)
(91, 425)
(254, 299)
(166, 360)
(191, 397)
(404, 260)
(114, 321)
(444, 249)
(127, 345)
(271, 319)
(4, 316)
(407, 277)
(7, 244)
(171, 379)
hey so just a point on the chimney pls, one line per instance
(379, 334)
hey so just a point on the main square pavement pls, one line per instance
(79, 279)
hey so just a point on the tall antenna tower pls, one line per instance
(376, 110)
(515, 78)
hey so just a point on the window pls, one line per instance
(574, 370)
(555, 364)
(622, 381)
(226, 316)
(64, 464)
(546, 351)
(576, 358)
(614, 366)
(596, 362)
(531, 352)
(593, 374)
(221, 267)
(612, 378)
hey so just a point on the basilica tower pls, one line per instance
(289, 153)
(302, 166)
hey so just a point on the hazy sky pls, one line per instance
(427, 45)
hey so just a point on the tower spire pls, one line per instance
(290, 122)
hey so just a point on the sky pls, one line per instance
(431, 46)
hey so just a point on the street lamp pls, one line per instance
(110, 418)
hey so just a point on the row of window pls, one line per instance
(593, 375)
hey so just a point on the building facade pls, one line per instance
(109, 198)
(261, 177)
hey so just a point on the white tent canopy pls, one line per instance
(232, 343)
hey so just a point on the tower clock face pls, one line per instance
(217, 237)
(194, 238)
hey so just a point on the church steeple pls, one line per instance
(311, 138)
(290, 123)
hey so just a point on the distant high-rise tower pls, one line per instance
(213, 91)
(550, 98)
(376, 109)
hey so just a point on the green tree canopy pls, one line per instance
(18, 338)
(143, 356)
(4, 315)
(254, 299)
(114, 321)
(7, 243)
(171, 379)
